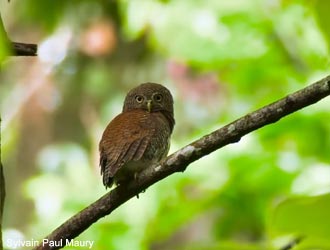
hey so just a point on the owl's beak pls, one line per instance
(149, 104)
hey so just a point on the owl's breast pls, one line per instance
(134, 141)
(160, 138)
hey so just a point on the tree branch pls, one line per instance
(18, 49)
(178, 161)
(2, 192)
(24, 49)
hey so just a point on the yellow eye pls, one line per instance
(158, 97)
(139, 98)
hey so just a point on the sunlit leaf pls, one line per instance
(303, 216)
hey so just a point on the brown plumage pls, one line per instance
(139, 136)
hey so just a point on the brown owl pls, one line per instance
(139, 136)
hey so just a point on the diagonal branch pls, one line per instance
(178, 161)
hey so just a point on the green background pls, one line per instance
(221, 60)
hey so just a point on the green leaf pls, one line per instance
(304, 216)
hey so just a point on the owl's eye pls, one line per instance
(139, 98)
(158, 97)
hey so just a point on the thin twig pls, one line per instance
(293, 243)
(178, 161)
(24, 49)
(19, 49)
(2, 192)
(2, 179)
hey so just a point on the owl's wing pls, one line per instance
(125, 139)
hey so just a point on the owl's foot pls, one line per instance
(137, 196)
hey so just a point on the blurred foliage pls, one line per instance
(306, 216)
(221, 60)
(3, 42)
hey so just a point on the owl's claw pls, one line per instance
(143, 191)
(135, 178)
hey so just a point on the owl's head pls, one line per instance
(151, 97)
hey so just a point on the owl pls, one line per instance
(139, 136)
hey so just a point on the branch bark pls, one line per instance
(178, 161)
